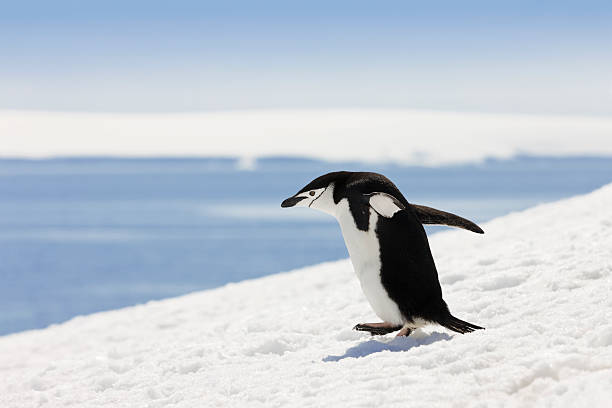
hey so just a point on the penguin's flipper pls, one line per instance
(387, 205)
(428, 215)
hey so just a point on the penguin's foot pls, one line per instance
(405, 332)
(377, 328)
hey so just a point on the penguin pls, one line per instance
(388, 248)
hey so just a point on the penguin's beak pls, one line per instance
(291, 201)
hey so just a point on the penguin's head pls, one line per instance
(319, 193)
(325, 192)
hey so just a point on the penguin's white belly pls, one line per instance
(364, 250)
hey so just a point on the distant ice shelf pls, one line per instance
(374, 135)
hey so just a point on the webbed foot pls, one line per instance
(377, 328)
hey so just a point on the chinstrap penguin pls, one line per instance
(388, 248)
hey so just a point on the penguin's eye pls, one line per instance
(311, 193)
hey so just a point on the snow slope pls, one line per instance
(406, 136)
(539, 280)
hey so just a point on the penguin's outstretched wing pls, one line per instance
(387, 205)
(428, 215)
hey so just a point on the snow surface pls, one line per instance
(539, 281)
(405, 136)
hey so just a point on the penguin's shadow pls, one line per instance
(397, 344)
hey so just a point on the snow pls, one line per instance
(375, 135)
(539, 281)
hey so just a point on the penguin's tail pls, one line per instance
(458, 325)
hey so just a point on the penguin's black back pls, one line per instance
(408, 272)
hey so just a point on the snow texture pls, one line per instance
(403, 136)
(539, 281)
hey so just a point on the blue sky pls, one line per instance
(157, 56)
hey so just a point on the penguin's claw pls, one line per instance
(377, 330)
(405, 332)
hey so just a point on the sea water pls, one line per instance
(84, 235)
